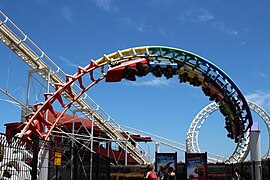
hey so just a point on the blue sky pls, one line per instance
(234, 35)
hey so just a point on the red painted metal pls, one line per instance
(115, 73)
(35, 121)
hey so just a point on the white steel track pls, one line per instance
(34, 57)
(242, 148)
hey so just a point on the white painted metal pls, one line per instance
(32, 55)
(242, 149)
(255, 153)
(266, 119)
(159, 140)
(37, 59)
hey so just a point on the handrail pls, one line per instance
(37, 59)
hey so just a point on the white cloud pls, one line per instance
(259, 74)
(262, 98)
(196, 15)
(152, 82)
(139, 26)
(165, 32)
(106, 5)
(68, 62)
(125, 20)
(202, 15)
(243, 43)
(66, 13)
(227, 30)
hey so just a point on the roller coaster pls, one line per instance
(70, 91)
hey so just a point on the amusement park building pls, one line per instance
(102, 145)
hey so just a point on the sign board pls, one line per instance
(166, 163)
(57, 158)
(196, 166)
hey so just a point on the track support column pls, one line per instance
(255, 151)
(92, 144)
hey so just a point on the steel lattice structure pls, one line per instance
(41, 63)
(224, 90)
(242, 148)
(70, 90)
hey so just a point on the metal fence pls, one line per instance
(35, 159)
(77, 163)
(16, 158)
